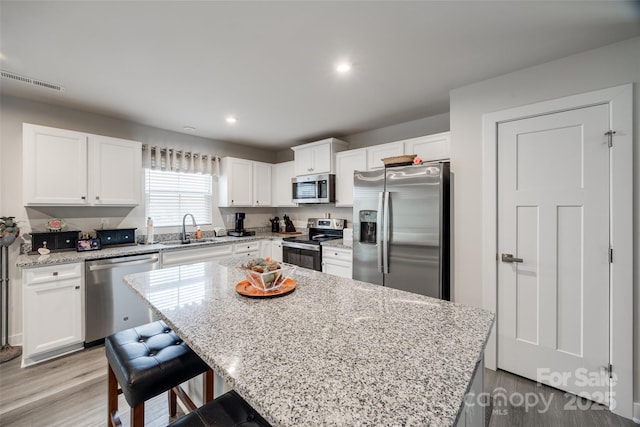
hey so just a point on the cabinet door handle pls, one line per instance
(55, 273)
(97, 197)
(83, 198)
(77, 287)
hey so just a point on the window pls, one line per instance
(170, 195)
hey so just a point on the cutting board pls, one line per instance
(289, 232)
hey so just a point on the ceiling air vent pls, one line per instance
(31, 81)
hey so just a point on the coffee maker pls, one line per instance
(239, 230)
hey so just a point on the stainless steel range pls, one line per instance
(306, 251)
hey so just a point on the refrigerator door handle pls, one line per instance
(386, 234)
(379, 222)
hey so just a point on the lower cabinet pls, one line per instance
(337, 261)
(472, 410)
(247, 249)
(52, 311)
(276, 249)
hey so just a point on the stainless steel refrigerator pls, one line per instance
(401, 228)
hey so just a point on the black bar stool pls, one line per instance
(149, 360)
(228, 410)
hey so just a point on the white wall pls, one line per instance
(591, 70)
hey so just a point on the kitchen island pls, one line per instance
(336, 351)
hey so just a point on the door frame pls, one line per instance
(620, 101)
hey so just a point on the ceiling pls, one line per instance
(171, 64)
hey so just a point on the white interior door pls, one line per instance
(553, 215)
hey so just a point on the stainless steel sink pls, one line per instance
(190, 242)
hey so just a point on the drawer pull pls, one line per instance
(77, 287)
(55, 273)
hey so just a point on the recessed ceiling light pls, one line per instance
(343, 67)
(231, 120)
(189, 128)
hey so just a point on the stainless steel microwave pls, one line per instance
(314, 188)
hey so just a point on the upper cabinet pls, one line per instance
(317, 157)
(376, 153)
(67, 168)
(114, 175)
(281, 193)
(262, 184)
(348, 162)
(244, 183)
(430, 147)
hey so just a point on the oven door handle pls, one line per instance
(315, 248)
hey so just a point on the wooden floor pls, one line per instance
(546, 406)
(71, 391)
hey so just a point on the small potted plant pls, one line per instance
(9, 230)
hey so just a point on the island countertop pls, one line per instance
(336, 351)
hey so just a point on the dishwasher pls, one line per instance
(110, 305)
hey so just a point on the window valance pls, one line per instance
(171, 159)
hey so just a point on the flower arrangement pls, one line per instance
(9, 230)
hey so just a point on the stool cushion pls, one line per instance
(149, 360)
(228, 410)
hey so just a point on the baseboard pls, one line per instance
(636, 412)
(16, 339)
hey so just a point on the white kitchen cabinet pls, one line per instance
(276, 250)
(337, 261)
(271, 249)
(281, 193)
(346, 163)
(262, 184)
(265, 249)
(249, 249)
(317, 157)
(115, 172)
(52, 311)
(235, 182)
(472, 410)
(244, 182)
(430, 147)
(54, 166)
(192, 254)
(376, 153)
(69, 168)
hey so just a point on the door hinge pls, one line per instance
(609, 136)
(611, 255)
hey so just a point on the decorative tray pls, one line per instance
(246, 289)
(406, 159)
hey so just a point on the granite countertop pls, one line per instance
(338, 243)
(65, 257)
(336, 351)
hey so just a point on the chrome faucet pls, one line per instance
(184, 236)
